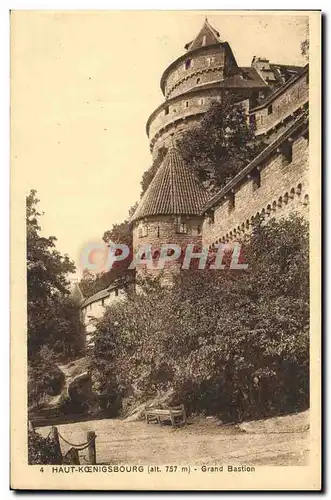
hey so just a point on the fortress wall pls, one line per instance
(277, 179)
(282, 106)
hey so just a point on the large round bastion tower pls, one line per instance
(203, 74)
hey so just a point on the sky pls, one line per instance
(83, 84)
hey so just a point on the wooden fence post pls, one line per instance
(55, 437)
(72, 457)
(91, 447)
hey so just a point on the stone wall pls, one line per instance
(162, 229)
(283, 189)
(180, 109)
(182, 75)
(282, 105)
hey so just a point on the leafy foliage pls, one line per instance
(42, 451)
(121, 233)
(53, 318)
(234, 343)
(221, 144)
(44, 379)
(305, 44)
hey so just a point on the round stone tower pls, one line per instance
(170, 211)
(193, 81)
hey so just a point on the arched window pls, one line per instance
(180, 225)
(188, 63)
(292, 193)
(299, 189)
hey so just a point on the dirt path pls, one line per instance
(201, 442)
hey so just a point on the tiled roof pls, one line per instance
(102, 294)
(97, 296)
(212, 37)
(247, 77)
(174, 190)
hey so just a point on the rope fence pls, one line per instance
(81, 446)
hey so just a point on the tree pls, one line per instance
(120, 233)
(221, 144)
(305, 44)
(53, 319)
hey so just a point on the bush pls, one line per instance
(45, 379)
(42, 451)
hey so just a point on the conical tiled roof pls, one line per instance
(210, 34)
(174, 190)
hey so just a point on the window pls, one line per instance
(198, 80)
(204, 40)
(201, 101)
(166, 110)
(287, 153)
(116, 292)
(102, 302)
(208, 61)
(158, 231)
(186, 104)
(188, 63)
(181, 226)
(144, 230)
(211, 217)
(232, 201)
(256, 178)
(270, 109)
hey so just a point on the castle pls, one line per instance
(176, 208)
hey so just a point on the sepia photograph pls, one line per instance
(165, 298)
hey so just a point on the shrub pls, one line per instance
(45, 379)
(42, 450)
